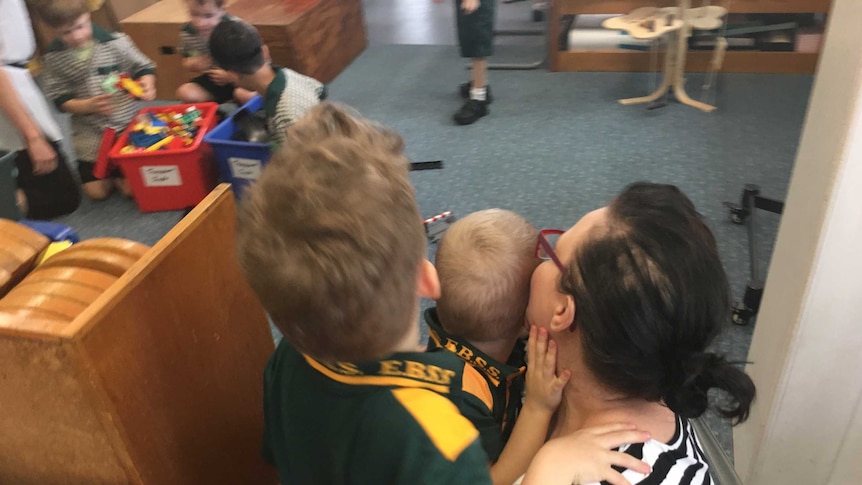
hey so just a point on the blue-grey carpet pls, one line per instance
(557, 145)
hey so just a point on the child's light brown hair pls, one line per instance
(59, 13)
(331, 239)
(485, 262)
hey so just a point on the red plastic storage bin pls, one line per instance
(170, 179)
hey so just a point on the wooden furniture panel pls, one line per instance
(20, 246)
(628, 60)
(125, 8)
(739, 61)
(52, 435)
(319, 38)
(574, 7)
(159, 42)
(157, 382)
(187, 325)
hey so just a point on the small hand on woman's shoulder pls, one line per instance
(587, 456)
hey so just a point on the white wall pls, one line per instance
(806, 426)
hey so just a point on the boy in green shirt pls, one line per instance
(485, 262)
(238, 48)
(331, 240)
(211, 83)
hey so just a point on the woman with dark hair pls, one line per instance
(633, 294)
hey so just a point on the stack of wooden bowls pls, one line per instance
(57, 291)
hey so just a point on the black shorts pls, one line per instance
(85, 170)
(220, 94)
(476, 30)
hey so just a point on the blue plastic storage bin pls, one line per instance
(239, 162)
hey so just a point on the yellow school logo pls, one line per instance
(416, 370)
(466, 354)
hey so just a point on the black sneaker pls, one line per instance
(472, 110)
(465, 92)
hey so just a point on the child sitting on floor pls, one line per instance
(77, 66)
(211, 83)
(238, 48)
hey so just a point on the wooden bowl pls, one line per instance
(30, 320)
(68, 290)
(20, 246)
(108, 255)
(54, 307)
(88, 278)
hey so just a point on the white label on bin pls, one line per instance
(161, 176)
(244, 168)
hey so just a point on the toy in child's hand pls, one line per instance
(250, 127)
(122, 82)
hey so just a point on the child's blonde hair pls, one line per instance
(485, 262)
(58, 13)
(331, 239)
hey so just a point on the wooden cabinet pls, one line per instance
(318, 38)
(159, 381)
(698, 61)
(125, 8)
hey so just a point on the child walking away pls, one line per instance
(81, 67)
(238, 48)
(211, 83)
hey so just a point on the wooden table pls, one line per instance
(319, 38)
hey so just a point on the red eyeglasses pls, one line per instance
(545, 243)
(545, 247)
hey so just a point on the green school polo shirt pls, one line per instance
(289, 96)
(499, 386)
(376, 422)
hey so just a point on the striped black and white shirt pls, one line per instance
(679, 462)
(68, 75)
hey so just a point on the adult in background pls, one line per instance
(46, 188)
(633, 295)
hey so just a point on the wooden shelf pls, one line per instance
(575, 7)
(620, 60)
(627, 60)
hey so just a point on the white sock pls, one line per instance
(478, 93)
